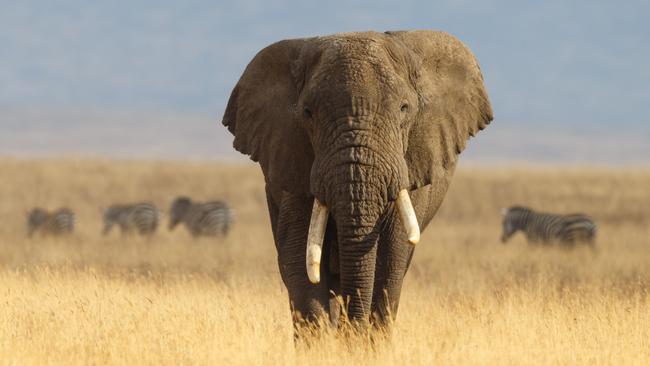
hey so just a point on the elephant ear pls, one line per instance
(261, 114)
(453, 104)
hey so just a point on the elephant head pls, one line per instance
(355, 121)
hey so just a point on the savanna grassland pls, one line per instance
(467, 299)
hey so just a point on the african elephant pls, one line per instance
(357, 135)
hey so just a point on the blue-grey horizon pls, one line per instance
(553, 66)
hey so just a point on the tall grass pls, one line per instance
(467, 299)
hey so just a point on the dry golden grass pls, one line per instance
(467, 299)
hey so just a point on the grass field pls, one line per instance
(467, 299)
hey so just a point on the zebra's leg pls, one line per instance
(124, 230)
(529, 238)
(569, 238)
(592, 245)
(590, 241)
(146, 232)
(568, 244)
(107, 229)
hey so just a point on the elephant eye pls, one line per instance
(404, 107)
(307, 112)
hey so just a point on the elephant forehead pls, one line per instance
(358, 63)
(357, 53)
(366, 47)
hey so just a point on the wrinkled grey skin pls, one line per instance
(351, 119)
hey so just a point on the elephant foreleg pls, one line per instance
(394, 255)
(393, 258)
(309, 302)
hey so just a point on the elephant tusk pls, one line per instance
(407, 215)
(315, 237)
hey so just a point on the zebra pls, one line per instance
(138, 217)
(547, 228)
(57, 223)
(201, 219)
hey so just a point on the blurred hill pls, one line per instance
(182, 136)
(94, 132)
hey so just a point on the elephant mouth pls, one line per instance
(318, 224)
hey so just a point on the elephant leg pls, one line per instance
(393, 258)
(309, 302)
(274, 212)
(331, 262)
(335, 300)
(394, 255)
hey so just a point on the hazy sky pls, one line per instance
(555, 64)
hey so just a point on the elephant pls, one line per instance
(357, 136)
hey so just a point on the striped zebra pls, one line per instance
(201, 219)
(57, 223)
(547, 228)
(141, 218)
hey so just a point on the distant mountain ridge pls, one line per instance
(180, 136)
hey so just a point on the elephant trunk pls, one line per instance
(318, 223)
(357, 216)
(355, 177)
(359, 190)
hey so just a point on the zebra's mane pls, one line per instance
(521, 209)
